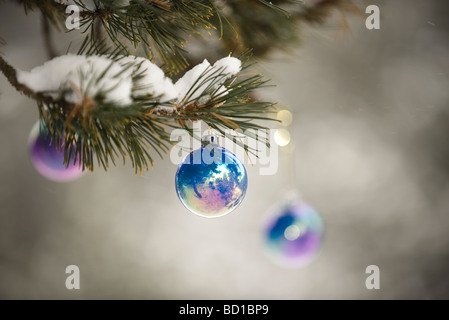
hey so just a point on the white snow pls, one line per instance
(190, 86)
(230, 65)
(153, 81)
(78, 76)
(184, 84)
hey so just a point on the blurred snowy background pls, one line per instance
(371, 113)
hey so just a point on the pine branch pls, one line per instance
(11, 75)
(163, 29)
(265, 26)
(96, 130)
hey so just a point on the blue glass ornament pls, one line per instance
(211, 181)
(293, 236)
(48, 157)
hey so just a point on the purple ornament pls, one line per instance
(48, 158)
(294, 235)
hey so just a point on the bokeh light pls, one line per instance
(285, 116)
(282, 137)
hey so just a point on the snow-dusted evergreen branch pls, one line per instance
(11, 74)
(106, 107)
(105, 104)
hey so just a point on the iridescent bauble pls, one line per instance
(48, 158)
(294, 236)
(211, 181)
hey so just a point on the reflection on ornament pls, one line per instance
(294, 235)
(211, 181)
(48, 158)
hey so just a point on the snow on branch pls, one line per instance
(120, 81)
(105, 107)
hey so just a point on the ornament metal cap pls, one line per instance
(211, 139)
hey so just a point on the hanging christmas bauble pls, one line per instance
(293, 236)
(48, 157)
(211, 181)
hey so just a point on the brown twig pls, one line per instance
(11, 75)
